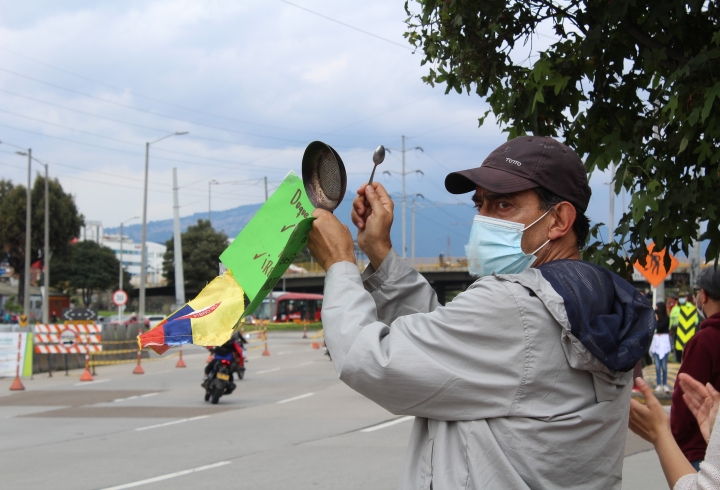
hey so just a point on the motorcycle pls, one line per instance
(220, 382)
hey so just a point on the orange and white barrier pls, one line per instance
(54, 338)
(60, 328)
(61, 349)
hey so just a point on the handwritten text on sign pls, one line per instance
(259, 252)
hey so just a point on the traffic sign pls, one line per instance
(119, 298)
(81, 314)
(654, 269)
(68, 338)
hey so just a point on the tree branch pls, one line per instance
(649, 42)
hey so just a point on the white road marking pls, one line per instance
(268, 371)
(134, 397)
(282, 353)
(172, 423)
(296, 398)
(86, 383)
(387, 424)
(167, 477)
(305, 364)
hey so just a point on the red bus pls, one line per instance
(288, 307)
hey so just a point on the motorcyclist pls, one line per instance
(232, 351)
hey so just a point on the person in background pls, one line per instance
(660, 347)
(651, 422)
(687, 318)
(702, 362)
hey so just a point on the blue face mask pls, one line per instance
(494, 247)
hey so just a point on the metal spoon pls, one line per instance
(378, 157)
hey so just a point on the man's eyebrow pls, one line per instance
(492, 196)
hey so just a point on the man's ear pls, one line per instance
(562, 220)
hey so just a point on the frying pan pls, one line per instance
(324, 177)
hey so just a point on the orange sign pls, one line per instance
(654, 270)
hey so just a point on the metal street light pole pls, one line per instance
(28, 230)
(143, 246)
(120, 278)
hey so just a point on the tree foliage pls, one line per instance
(87, 267)
(64, 220)
(631, 82)
(201, 249)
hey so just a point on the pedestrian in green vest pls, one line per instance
(687, 322)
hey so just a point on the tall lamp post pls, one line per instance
(143, 247)
(120, 279)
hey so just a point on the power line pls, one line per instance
(127, 106)
(404, 46)
(137, 154)
(135, 94)
(124, 141)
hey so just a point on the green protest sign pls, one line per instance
(266, 247)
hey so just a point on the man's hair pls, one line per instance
(713, 297)
(581, 227)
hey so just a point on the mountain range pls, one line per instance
(440, 227)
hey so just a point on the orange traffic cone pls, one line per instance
(17, 384)
(315, 345)
(138, 369)
(180, 363)
(86, 376)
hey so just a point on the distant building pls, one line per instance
(131, 254)
(131, 258)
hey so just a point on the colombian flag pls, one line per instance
(209, 319)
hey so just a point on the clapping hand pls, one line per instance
(649, 421)
(703, 401)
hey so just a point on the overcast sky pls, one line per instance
(85, 84)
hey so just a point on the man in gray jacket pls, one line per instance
(522, 381)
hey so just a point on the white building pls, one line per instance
(131, 259)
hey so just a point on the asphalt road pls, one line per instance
(290, 424)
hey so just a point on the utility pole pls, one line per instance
(28, 230)
(177, 250)
(403, 173)
(266, 194)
